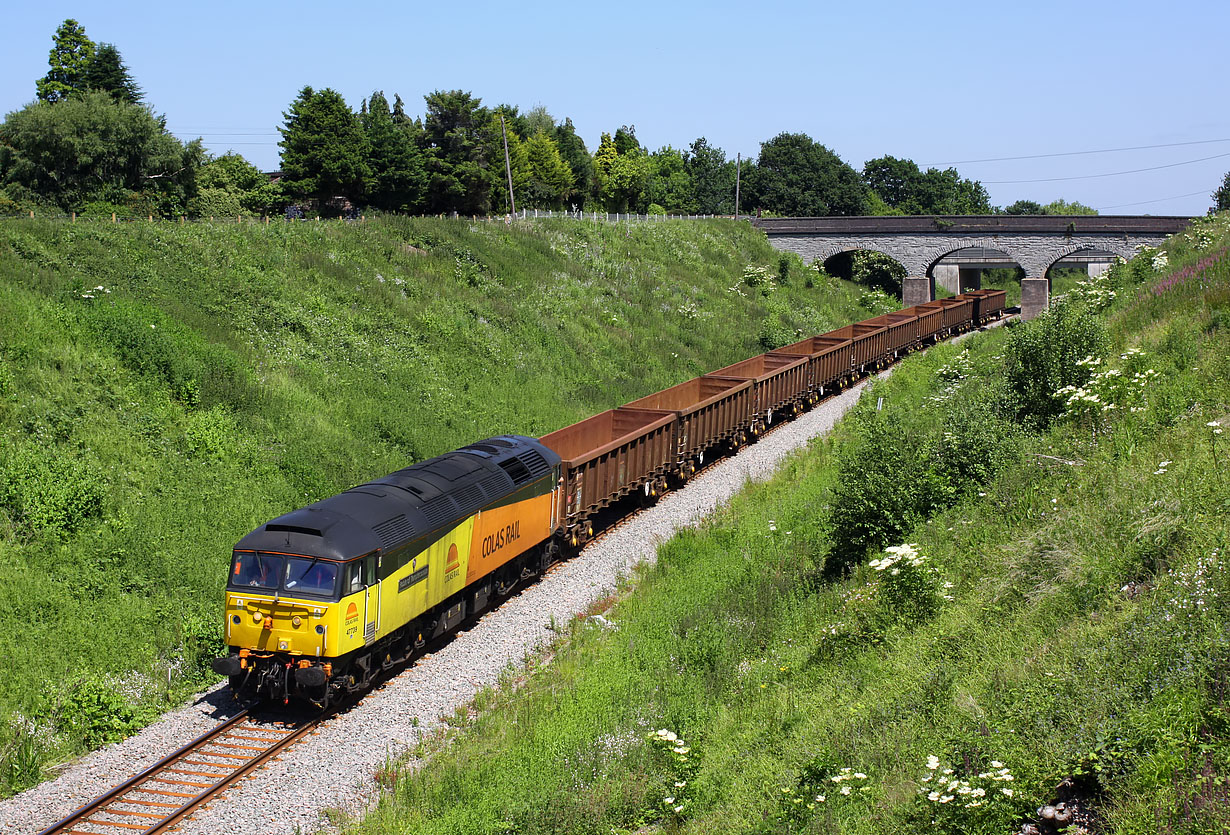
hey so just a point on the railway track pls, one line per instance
(161, 797)
(172, 788)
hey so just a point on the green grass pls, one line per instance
(1085, 638)
(228, 373)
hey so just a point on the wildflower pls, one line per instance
(678, 809)
(679, 784)
(772, 525)
(933, 797)
(933, 762)
(845, 789)
(1007, 792)
(820, 798)
(668, 801)
(996, 764)
(860, 775)
(947, 798)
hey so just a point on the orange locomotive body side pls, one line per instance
(502, 533)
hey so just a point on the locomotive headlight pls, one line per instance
(295, 621)
(235, 618)
(257, 617)
(320, 630)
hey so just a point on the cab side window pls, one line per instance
(354, 579)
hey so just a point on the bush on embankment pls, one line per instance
(1056, 631)
(165, 388)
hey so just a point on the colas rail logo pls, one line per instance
(352, 614)
(502, 537)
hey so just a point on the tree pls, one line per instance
(538, 120)
(619, 178)
(107, 72)
(1221, 197)
(897, 181)
(669, 185)
(905, 188)
(797, 176)
(1025, 207)
(1063, 207)
(324, 148)
(71, 52)
(626, 141)
(91, 147)
(230, 185)
(459, 144)
(550, 178)
(572, 149)
(713, 178)
(397, 179)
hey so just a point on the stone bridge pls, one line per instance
(921, 244)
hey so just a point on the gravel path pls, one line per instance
(332, 769)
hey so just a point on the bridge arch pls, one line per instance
(964, 267)
(1116, 249)
(886, 276)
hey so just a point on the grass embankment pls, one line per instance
(1057, 633)
(165, 388)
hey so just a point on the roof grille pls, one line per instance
(494, 485)
(534, 461)
(517, 471)
(469, 498)
(439, 510)
(394, 531)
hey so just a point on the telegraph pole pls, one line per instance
(508, 167)
(738, 167)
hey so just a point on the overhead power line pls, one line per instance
(1155, 200)
(1108, 174)
(1081, 153)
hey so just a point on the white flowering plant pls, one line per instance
(820, 784)
(976, 802)
(908, 588)
(681, 764)
(1122, 389)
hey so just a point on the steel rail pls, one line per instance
(188, 787)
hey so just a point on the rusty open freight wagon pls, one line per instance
(901, 328)
(868, 345)
(778, 381)
(988, 304)
(828, 360)
(606, 457)
(957, 313)
(930, 321)
(708, 410)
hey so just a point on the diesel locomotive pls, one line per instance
(321, 599)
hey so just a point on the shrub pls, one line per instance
(46, 491)
(976, 443)
(886, 485)
(97, 714)
(1045, 355)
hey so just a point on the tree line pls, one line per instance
(90, 143)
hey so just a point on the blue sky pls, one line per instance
(937, 82)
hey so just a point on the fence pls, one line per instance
(524, 214)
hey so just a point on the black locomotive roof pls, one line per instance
(419, 503)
